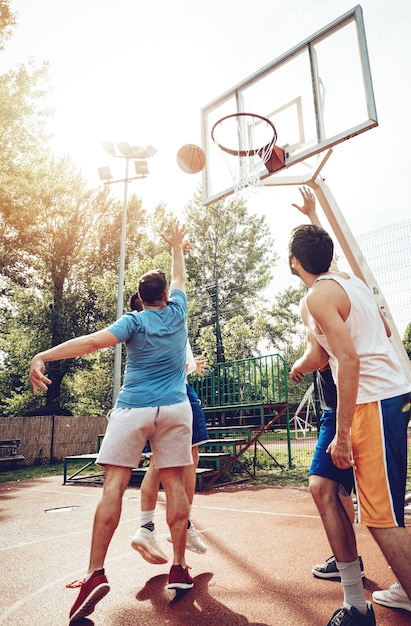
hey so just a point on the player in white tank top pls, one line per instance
(373, 408)
(381, 375)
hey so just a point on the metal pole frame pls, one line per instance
(120, 288)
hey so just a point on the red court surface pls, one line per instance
(257, 570)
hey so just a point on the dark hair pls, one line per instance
(135, 303)
(313, 247)
(152, 286)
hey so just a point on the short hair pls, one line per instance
(152, 286)
(135, 303)
(313, 247)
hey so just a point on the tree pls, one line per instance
(23, 118)
(7, 22)
(53, 264)
(283, 324)
(230, 264)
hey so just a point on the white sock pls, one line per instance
(351, 579)
(147, 516)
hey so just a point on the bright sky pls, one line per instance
(140, 71)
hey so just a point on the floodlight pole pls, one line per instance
(135, 154)
(120, 288)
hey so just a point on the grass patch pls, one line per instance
(31, 471)
(289, 477)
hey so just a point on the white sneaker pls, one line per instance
(193, 541)
(394, 597)
(144, 541)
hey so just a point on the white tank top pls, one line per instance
(381, 373)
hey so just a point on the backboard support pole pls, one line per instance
(358, 263)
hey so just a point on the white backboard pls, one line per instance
(317, 95)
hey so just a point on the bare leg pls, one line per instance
(395, 544)
(348, 504)
(151, 482)
(337, 523)
(336, 517)
(173, 481)
(149, 487)
(190, 475)
(108, 513)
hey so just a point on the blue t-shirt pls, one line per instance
(156, 344)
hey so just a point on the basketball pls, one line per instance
(191, 158)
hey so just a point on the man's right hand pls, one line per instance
(37, 376)
(176, 236)
(308, 208)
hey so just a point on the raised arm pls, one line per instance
(308, 209)
(308, 206)
(177, 244)
(67, 350)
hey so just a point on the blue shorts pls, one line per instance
(322, 464)
(200, 434)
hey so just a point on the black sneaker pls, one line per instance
(352, 617)
(329, 569)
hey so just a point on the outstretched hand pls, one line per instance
(308, 208)
(187, 245)
(201, 366)
(176, 236)
(37, 376)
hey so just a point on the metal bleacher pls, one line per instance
(241, 400)
(250, 394)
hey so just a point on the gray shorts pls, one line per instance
(169, 429)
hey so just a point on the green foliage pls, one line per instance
(239, 338)
(18, 340)
(284, 326)
(205, 344)
(89, 390)
(407, 340)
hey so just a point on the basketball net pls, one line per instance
(246, 143)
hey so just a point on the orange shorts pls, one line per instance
(379, 443)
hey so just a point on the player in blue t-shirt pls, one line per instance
(152, 405)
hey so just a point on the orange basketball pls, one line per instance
(191, 158)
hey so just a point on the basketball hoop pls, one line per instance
(247, 143)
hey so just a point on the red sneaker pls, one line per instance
(179, 578)
(91, 592)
